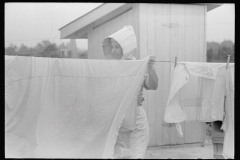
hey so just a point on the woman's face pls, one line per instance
(117, 51)
(107, 49)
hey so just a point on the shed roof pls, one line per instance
(77, 29)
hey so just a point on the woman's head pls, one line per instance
(107, 48)
(121, 44)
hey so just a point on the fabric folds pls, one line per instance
(196, 92)
(68, 108)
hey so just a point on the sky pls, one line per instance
(221, 23)
(30, 23)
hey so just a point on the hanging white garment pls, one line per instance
(228, 122)
(68, 108)
(196, 93)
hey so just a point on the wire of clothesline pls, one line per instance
(58, 32)
(189, 61)
(218, 58)
(165, 61)
(48, 39)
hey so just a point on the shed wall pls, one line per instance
(166, 31)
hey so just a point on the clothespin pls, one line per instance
(228, 61)
(175, 64)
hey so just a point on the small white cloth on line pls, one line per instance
(68, 108)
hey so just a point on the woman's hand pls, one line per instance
(151, 62)
(152, 81)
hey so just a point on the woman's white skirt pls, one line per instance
(133, 143)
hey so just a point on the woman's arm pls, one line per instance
(151, 82)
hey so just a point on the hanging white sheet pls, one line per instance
(68, 108)
(228, 122)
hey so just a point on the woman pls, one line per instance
(121, 46)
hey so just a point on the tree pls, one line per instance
(49, 51)
(43, 49)
(224, 53)
(11, 50)
(220, 51)
(23, 50)
(39, 48)
(62, 46)
(209, 54)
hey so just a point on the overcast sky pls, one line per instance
(30, 23)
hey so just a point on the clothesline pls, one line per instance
(228, 59)
(165, 61)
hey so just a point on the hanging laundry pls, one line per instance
(196, 93)
(68, 108)
(228, 122)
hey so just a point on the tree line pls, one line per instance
(43, 49)
(218, 52)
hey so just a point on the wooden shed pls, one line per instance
(163, 30)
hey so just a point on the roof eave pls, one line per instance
(87, 19)
(78, 28)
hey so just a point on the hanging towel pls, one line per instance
(228, 122)
(67, 108)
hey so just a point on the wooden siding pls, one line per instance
(166, 31)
